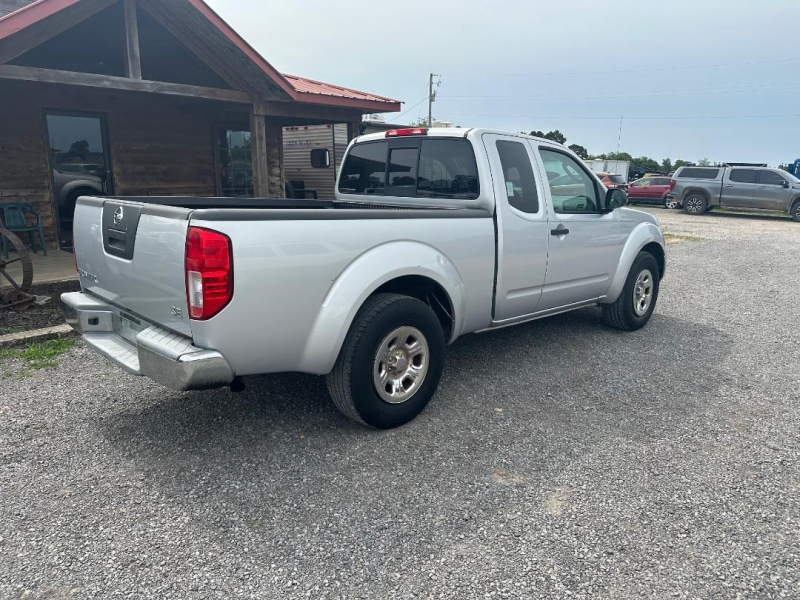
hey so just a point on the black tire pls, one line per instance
(621, 314)
(695, 204)
(796, 211)
(351, 385)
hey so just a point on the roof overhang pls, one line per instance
(273, 85)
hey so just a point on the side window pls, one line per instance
(698, 173)
(447, 168)
(644, 182)
(518, 176)
(743, 175)
(770, 178)
(662, 181)
(320, 158)
(574, 191)
(364, 170)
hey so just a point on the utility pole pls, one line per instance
(431, 99)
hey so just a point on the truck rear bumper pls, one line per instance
(141, 348)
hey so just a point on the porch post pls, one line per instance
(259, 154)
(353, 129)
(275, 180)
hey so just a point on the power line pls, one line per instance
(632, 94)
(638, 70)
(582, 118)
(412, 108)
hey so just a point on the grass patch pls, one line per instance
(673, 238)
(40, 355)
(751, 213)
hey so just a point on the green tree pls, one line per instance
(556, 136)
(579, 150)
(704, 162)
(666, 165)
(680, 163)
(645, 164)
(421, 122)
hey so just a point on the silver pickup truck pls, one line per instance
(433, 234)
(698, 189)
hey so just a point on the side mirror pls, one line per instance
(616, 198)
(785, 183)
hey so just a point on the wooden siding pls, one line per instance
(158, 145)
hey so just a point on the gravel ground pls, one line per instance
(37, 317)
(559, 458)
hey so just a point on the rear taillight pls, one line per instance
(209, 272)
(671, 184)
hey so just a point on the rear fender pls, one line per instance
(360, 279)
(642, 234)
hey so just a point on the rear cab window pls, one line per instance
(412, 167)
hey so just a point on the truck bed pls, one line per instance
(289, 261)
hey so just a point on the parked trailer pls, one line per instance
(614, 167)
(311, 158)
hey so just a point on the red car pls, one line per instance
(613, 182)
(649, 190)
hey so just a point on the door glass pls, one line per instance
(235, 163)
(572, 189)
(79, 164)
(518, 176)
(770, 178)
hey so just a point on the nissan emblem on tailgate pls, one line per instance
(118, 215)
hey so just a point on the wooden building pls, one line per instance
(145, 97)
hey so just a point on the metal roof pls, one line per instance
(311, 86)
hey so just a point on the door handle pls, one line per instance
(728, 185)
(560, 230)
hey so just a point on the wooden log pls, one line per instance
(121, 83)
(133, 59)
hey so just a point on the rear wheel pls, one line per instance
(635, 305)
(671, 203)
(695, 204)
(391, 362)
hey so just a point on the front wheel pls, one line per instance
(635, 305)
(391, 362)
(796, 211)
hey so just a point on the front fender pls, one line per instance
(641, 235)
(360, 279)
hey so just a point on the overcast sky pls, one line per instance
(576, 66)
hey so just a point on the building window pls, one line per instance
(235, 163)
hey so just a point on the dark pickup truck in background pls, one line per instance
(698, 189)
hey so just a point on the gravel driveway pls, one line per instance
(558, 458)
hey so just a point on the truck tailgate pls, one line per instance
(131, 254)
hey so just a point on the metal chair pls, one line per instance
(14, 220)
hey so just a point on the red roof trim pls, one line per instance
(30, 14)
(298, 88)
